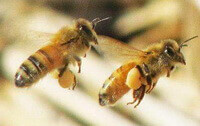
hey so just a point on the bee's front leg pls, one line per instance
(138, 95)
(78, 60)
(169, 71)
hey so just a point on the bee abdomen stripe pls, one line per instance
(39, 66)
(19, 80)
(29, 72)
(25, 69)
(46, 55)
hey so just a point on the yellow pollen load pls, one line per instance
(67, 79)
(133, 79)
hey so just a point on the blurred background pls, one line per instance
(174, 101)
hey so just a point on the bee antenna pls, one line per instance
(97, 20)
(183, 43)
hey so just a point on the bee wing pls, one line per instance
(30, 41)
(118, 51)
(37, 38)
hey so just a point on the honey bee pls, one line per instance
(66, 47)
(141, 69)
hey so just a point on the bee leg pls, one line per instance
(151, 88)
(78, 62)
(169, 71)
(62, 70)
(84, 55)
(74, 85)
(138, 95)
(145, 72)
(66, 78)
(149, 82)
(147, 76)
(135, 99)
(132, 101)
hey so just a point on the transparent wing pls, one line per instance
(40, 38)
(30, 41)
(113, 49)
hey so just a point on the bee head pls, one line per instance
(173, 50)
(86, 29)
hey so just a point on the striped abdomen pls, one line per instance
(114, 87)
(38, 65)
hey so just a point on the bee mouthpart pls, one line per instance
(95, 41)
(183, 62)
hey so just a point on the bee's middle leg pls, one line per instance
(147, 75)
(151, 88)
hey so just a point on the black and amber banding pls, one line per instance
(37, 65)
(114, 87)
(29, 72)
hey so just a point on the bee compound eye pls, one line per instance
(86, 30)
(169, 51)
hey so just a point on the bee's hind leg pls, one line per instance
(78, 60)
(138, 95)
(66, 78)
(62, 70)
